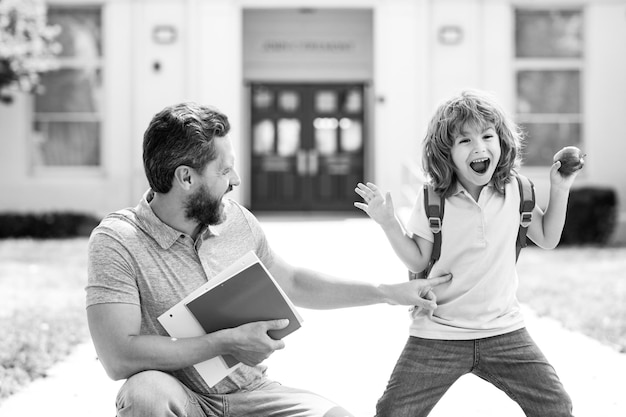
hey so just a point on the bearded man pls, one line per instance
(183, 232)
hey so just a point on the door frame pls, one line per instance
(306, 200)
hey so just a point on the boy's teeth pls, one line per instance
(480, 165)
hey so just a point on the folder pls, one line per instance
(244, 292)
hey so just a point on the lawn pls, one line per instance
(42, 312)
(583, 288)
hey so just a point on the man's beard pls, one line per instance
(204, 208)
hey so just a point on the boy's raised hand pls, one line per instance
(567, 163)
(379, 208)
(559, 180)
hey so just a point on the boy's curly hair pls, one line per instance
(475, 108)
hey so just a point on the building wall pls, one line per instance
(604, 104)
(23, 188)
(401, 90)
(414, 69)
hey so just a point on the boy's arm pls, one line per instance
(546, 227)
(414, 253)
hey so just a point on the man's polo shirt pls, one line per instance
(478, 248)
(135, 258)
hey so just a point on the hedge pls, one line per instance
(592, 214)
(591, 219)
(46, 225)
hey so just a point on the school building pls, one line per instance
(321, 94)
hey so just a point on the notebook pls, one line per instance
(244, 292)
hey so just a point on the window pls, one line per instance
(68, 114)
(549, 62)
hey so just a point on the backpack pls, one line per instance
(434, 207)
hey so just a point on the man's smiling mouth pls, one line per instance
(481, 165)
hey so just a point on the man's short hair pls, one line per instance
(181, 134)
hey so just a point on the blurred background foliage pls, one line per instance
(27, 46)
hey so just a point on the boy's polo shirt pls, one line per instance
(135, 258)
(478, 248)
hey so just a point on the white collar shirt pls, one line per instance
(478, 248)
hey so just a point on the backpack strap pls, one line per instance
(433, 206)
(526, 206)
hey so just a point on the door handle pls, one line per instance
(301, 162)
(313, 162)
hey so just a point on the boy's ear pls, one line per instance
(183, 177)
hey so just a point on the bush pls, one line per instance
(591, 216)
(46, 225)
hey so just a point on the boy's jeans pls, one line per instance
(512, 362)
(157, 394)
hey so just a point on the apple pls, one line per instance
(572, 159)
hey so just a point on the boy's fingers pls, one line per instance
(362, 193)
(362, 187)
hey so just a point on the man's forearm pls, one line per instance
(140, 353)
(312, 289)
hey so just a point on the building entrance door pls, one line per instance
(307, 150)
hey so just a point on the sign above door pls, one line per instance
(307, 44)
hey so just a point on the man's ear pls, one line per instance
(183, 177)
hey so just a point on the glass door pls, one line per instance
(307, 146)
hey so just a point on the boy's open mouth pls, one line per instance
(480, 165)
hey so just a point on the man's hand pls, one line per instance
(417, 292)
(379, 208)
(251, 344)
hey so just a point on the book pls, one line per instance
(244, 292)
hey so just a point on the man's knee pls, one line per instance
(338, 412)
(151, 393)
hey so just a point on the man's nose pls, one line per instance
(235, 180)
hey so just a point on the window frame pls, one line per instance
(38, 169)
(546, 64)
